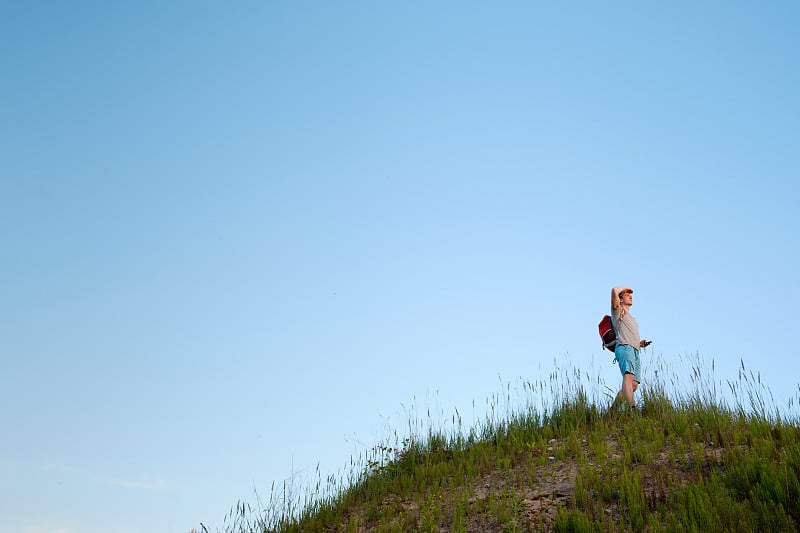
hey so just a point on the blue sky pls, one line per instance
(240, 241)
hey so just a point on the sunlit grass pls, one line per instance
(553, 455)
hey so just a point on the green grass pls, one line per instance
(557, 457)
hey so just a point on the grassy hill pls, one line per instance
(688, 459)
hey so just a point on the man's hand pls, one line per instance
(644, 343)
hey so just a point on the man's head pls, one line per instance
(626, 296)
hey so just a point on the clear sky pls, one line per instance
(241, 239)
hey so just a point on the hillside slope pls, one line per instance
(685, 463)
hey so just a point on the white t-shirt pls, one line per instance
(626, 327)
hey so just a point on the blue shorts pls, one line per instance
(628, 358)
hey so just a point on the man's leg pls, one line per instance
(629, 385)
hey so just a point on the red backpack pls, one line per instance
(607, 333)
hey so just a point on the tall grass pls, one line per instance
(555, 455)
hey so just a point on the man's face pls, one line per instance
(626, 298)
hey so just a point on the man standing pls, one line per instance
(628, 342)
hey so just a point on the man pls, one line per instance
(628, 342)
